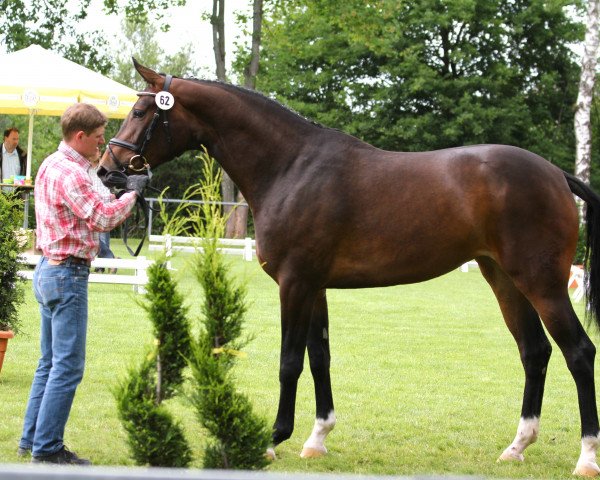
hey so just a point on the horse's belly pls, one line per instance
(385, 270)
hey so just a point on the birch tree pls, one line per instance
(583, 107)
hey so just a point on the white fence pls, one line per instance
(246, 247)
(138, 267)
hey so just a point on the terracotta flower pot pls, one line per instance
(4, 336)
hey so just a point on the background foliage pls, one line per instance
(429, 74)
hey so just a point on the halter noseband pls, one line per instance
(138, 163)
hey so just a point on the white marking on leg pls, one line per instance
(270, 454)
(527, 433)
(315, 445)
(586, 465)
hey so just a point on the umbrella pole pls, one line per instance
(28, 168)
(29, 143)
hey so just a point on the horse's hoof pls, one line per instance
(509, 455)
(270, 454)
(310, 452)
(587, 469)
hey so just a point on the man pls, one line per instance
(12, 157)
(69, 214)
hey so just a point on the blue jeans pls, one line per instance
(105, 251)
(62, 293)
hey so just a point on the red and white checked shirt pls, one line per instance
(69, 212)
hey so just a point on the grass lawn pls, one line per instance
(426, 379)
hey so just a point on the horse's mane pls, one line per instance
(253, 93)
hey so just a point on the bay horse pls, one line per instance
(331, 211)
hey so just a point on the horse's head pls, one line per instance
(145, 139)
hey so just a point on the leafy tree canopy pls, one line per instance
(139, 11)
(51, 24)
(428, 74)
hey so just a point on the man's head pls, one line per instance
(83, 129)
(11, 139)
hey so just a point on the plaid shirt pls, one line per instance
(69, 212)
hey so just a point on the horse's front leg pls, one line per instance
(297, 300)
(319, 356)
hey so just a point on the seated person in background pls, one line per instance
(12, 157)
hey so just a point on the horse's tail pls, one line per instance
(592, 247)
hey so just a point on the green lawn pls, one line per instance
(426, 379)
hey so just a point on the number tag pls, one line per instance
(164, 100)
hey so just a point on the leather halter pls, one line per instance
(138, 163)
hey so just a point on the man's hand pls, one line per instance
(137, 183)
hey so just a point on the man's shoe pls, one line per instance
(62, 457)
(23, 452)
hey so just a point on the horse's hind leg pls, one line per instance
(562, 323)
(319, 356)
(535, 349)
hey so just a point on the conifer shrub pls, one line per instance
(12, 293)
(155, 438)
(238, 437)
(165, 307)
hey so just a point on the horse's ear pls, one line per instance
(147, 74)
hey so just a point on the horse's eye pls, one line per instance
(138, 113)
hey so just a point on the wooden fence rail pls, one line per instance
(138, 267)
(229, 246)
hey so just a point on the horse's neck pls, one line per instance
(255, 146)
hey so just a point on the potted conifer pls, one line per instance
(11, 286)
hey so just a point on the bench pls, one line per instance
(138, 265)
(246, 247)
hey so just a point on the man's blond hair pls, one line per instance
(81, 117)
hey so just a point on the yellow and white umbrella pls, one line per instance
(37, 81)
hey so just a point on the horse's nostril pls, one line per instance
(101, 172)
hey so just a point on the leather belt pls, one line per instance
(71, 261)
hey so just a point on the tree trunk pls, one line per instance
(584, 98)
(228, 195)
(583, 131)
(250, 72)
(217, 21)
(218, 27)
(251, 69)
